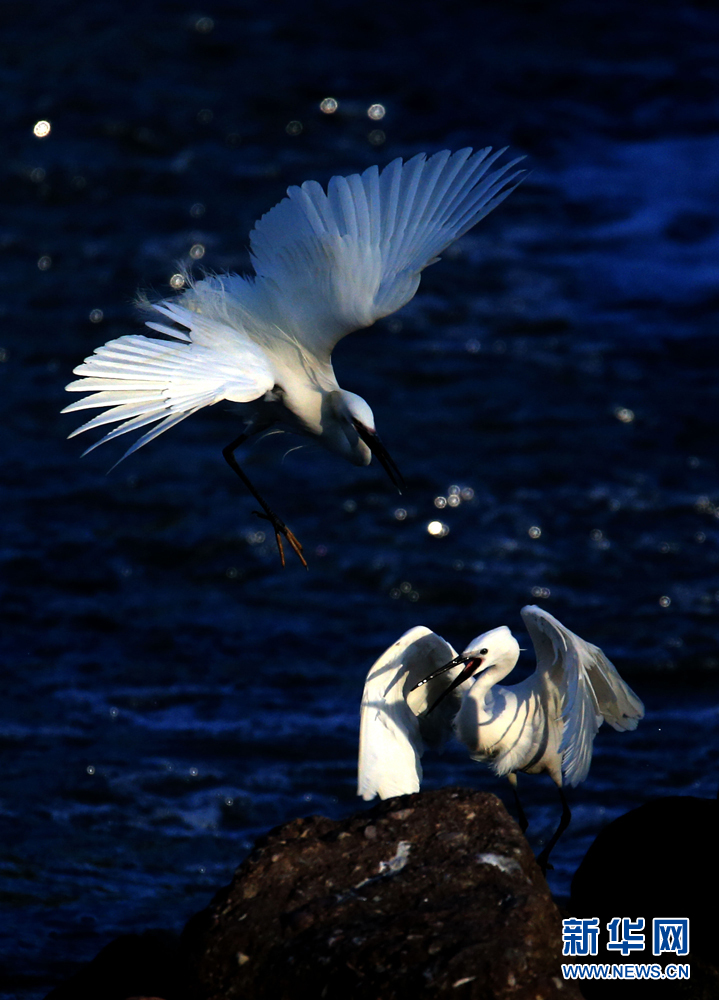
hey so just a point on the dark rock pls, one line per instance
(146, 966)
(427, 893)
(660, 860)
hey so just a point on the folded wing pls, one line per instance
(392, 738)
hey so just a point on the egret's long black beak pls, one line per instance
(371, 439)
(471, 663)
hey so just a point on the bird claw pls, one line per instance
(280, 528)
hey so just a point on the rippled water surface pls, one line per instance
(550, 397)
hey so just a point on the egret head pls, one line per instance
(490, 648)
(360, 440)
(498, 647)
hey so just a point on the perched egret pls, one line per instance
(545, 723)
(326, 264)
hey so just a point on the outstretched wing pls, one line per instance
(139, 380)
(589, 687)
(326, 264)
(392, 738)
(335, 262)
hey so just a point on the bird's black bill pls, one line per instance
(470, 665)
(371, 439)
(439, 671)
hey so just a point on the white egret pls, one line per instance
(326, 264)
(546, 723)
(394, 724)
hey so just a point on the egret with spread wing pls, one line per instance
(546, 723)
(326, 264)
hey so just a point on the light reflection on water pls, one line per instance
(173, 693)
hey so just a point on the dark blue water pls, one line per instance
(169, 692)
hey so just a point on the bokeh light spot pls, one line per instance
(624, 414)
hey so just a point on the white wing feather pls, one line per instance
(336, 262)
(589, 687)
(327, 264)
(139, 380)
(392, 738)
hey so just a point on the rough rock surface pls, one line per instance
(656, 861)
(436, 893)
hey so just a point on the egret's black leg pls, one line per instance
(523, 822)
(280, 528)
(543, 858)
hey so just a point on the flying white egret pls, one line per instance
(326, 264)
(545, 723)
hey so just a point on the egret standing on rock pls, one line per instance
(546, 723)
(326, 264)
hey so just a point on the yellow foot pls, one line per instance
(281, 529)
